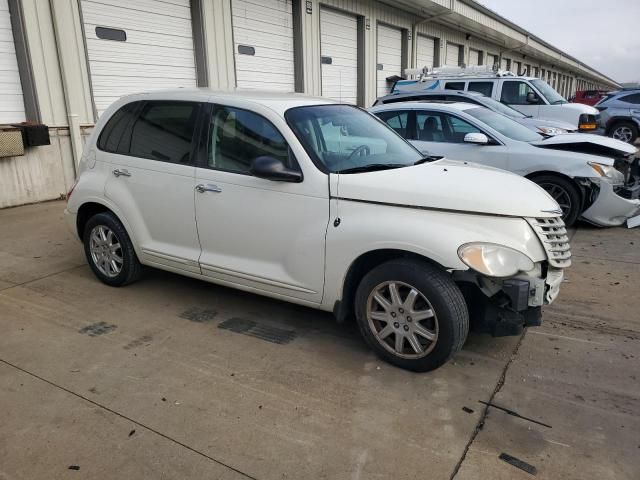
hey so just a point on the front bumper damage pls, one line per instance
(613, 204)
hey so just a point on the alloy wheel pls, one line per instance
(623, 133)
(560, 195)
(106, 251)
(402, 320)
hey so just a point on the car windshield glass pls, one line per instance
(502, 108)
(345, 139)
(547, 91)
(507, 127)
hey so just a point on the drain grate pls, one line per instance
(199, 315)
(257, 330)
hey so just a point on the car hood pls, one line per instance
(544, 122)
(587, 143)
(449, 186)
(580, 107)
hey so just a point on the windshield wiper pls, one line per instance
(372, 167)
(429, 158)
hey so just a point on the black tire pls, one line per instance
(442, 296)
(629, 127)
(131, 269)
(562, 189)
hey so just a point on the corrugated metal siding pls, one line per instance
(339, 43)
(11, 100)
(389, 47)
(267, 26)
(157, 54)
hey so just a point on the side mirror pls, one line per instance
(476, 138)
(532, 98)
(271, 168)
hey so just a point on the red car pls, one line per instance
(588, 97)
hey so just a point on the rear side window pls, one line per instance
(237, 137)
(633, 98)
(115, 135)
(486, 88)
(163, 131)
(454, 86)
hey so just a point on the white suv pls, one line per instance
(319, 204)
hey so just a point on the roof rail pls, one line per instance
(426, 73)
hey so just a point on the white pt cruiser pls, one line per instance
(319, 204)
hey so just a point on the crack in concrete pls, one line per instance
(121, 415)
(485, 412)
(14, 285)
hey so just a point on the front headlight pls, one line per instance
(494, 260)
(552, 130)
(607, 171)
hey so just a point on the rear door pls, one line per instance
(258, 234)
(152, 179)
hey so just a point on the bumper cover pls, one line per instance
(610, 209)
(70, 221)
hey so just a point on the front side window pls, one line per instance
(505, 125)
(396, 120)
(633, 98)
(547, 91)
(163, 131)
(454, 86)
(515, 93)
(237, 137)
(345, 139)
(485, 88)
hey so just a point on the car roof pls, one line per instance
(277, 101)
(462, 93)
(415, 105)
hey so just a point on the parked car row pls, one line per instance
(322, 204)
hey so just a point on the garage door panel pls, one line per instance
(11, 99)
(177, 9)
(425, 51)
(453, 54)
(132, 19)
(339, 40)
(267, 26)
(389, 56)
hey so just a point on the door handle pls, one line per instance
(124, 172)
(202, 188)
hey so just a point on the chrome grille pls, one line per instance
(554, 238)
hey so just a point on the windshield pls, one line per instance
(344, 138)
(502, 108)
(504, 125)
(547, 91)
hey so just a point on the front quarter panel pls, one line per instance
(435, 235)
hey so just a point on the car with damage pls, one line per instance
(539, 125)
(592, 177)
(320, 204)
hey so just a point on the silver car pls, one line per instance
(542, 126)
(620, 114)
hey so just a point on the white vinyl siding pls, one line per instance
(425, 52)
(339, 43)
(157, 54)
(389, 57)
(11, 101)
(453, 55)
(474, 57)
(267, 27)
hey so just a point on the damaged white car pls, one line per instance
(591, 177)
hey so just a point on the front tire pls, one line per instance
(411, 314)
(109, 250)
(565, 193)
(624, 131)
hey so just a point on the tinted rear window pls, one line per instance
(115, 134)
(485, 88)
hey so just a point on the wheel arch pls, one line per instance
(564, 176)
(362, 265)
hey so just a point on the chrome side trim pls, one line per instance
(265, 281)
(171, 258)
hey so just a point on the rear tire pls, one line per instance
(109, 250)
(624, 131)
(565, 193)
(411, 314)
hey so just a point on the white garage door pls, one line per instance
(11, 102)
(474, 57)
(453, 54)
(425, 52)
(263, 44)
(339, 55)
(138, 46)
(505, 64)
(389, 57)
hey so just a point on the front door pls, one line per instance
(514, 93)
(440, 133)
(151, 180)
(263, 235)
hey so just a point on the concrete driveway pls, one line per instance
(176, 378)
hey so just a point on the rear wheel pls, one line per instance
(411, 314)
(109, 250)
(565, 193)
(625, 131)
